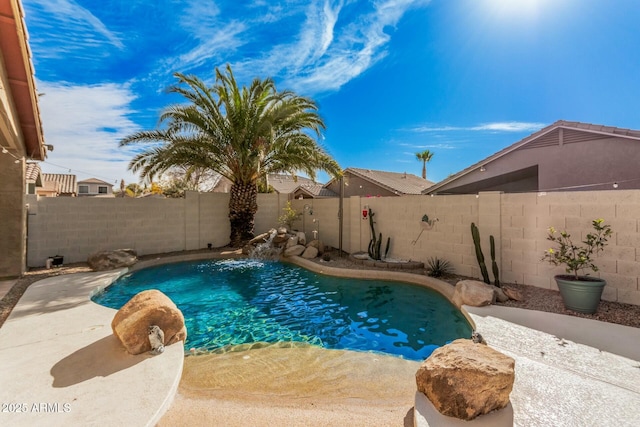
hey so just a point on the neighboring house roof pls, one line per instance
(16, 58)
(544, 137)
(313, 191)
(285, 184)
(65, 184)
(396, 182)
(34, 174)
(281, 183)
(94, 181)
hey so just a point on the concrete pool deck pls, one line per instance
(61, 365)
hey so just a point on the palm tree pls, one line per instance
(240, 133)
(424, 156)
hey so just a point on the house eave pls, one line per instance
(16, 57)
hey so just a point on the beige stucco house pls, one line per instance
(95, 188)
(21, 136)
(569, 156)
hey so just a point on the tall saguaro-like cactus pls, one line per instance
(375, 244)
(476, 242)
(494, 265)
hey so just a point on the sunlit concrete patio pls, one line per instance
(61, 365)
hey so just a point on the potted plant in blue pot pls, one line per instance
(580, 293)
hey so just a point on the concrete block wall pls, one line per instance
(400, 218)
(527, 217)
(76, 227)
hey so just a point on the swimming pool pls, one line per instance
(232, 302)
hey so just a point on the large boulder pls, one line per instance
(109, 260)
(310, 253)
(131, 323)
(465, 380)
(473, 293)
(294, 250)
(318, 245)
(293, 240)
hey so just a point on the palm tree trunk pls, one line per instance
(424, 169)
(243, 205)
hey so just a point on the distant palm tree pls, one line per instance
(241, 133)
(424, 156)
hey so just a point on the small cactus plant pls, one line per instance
(476, 242)
(375, 244)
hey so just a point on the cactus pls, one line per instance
(476, 242)
(375, 244)
(494, 265)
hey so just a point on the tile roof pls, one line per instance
(66, 184)
(403, 183)
(585, 127)
(285, 184)
(33, 172)
(315, 190)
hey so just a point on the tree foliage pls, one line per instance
(241, 133)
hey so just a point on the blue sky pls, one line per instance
(462, 78)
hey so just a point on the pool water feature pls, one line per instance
(231, 302)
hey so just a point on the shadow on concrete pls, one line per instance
(99, 359)
(408, 418)
(428, 416)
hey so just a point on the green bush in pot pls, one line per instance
(579, 292)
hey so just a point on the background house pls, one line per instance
(281, 184)
(21, 136)
(312, 191)
(58, 185)
(94, 187)
(33, 178)
(373, 183)
(569, 156)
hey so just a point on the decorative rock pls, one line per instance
(465, 380)
(280, 238)
(261, 238)
(293, 240)
(131, 323)
(310, 253)
(473, 293)
(302, 238)
(500, 295)
(512, 294)
(108, 260)
(318, 245)
(360, 255)
(294, 250)
(282, 230)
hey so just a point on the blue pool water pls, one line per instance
(231, 302)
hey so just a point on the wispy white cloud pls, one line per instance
(328, 51)
(353, 49)
(85, 125)
(442, 146)
(485, 127)
(74, 30)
